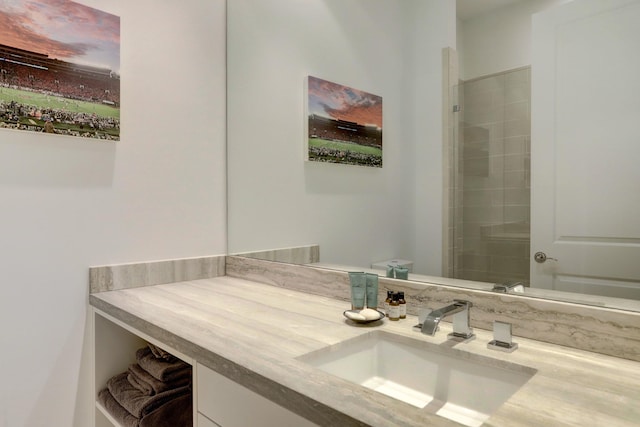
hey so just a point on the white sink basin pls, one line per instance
(451, 383)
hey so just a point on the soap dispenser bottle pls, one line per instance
(394, 308)
(387, 302)
(402, 305)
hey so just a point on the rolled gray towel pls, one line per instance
(137, 403)
(148, 385)
(116, 410)
(160, 369)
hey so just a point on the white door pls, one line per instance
(585, 148)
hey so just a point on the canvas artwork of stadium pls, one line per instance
(59, 69)
(345, 124)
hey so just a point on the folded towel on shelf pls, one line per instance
(148, 385)
(116, 410)
(161, 369)
(176, 413)
(160, 353)
(137, 403)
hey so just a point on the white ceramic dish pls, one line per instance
(382, 315)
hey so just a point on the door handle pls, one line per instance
(541, 257)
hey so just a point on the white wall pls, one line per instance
(500, 39)
(68, 203)
(460, 46)
(356, 214)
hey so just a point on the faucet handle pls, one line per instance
(502, 338)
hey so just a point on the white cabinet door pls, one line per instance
(205, 422)
(585, 148)
(231, 405)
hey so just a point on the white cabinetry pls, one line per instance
(205, 422)
(231, 405)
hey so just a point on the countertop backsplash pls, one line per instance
(601, 330)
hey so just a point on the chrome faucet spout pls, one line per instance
(460, 312)
(512, 286)
(430, 325)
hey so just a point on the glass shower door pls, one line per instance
(493, 178)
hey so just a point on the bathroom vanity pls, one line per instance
(249, 345)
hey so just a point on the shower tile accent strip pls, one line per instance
(600, 330)
(125, 276)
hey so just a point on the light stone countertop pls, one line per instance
(253, 332)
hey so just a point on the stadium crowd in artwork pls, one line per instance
(341, 141)
(41, 94)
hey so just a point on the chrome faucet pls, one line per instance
(506, 287)
(460, 312)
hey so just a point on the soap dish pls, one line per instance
(381, 316)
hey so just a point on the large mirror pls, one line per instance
(509, 157)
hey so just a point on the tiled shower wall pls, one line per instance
(492, 212)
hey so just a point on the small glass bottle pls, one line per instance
(387, 302)
(402, 305)
(394, 308)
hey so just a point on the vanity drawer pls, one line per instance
(229, 404)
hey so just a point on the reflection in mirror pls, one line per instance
(492, 199)
(538, 150)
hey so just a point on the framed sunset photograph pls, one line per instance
(344, 124)
(59, 69)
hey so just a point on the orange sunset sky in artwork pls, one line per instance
(63, 30)
(344, 103)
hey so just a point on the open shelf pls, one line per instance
(115, 346)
